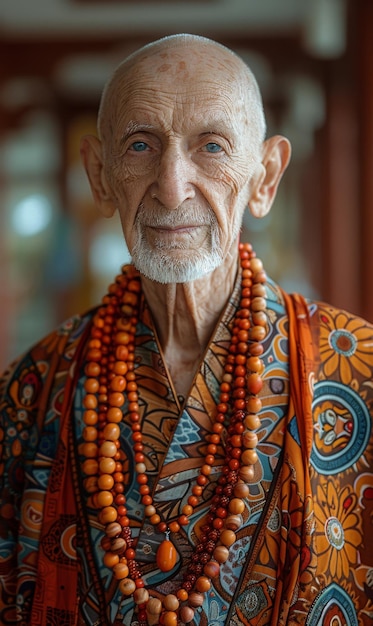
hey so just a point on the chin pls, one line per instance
(166, 269)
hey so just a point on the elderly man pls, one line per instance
(198, 449)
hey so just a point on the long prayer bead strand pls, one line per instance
(110, 382)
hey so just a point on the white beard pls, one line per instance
(175, 262)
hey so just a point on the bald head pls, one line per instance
(184, 55)
(181, 155)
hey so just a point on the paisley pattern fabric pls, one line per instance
(304, 554)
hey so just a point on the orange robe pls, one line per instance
(304, 554)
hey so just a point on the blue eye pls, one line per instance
(139, 146)
(213, 147)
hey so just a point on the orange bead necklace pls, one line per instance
(110, 381)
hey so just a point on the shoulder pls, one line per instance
(32, 392)
(29, 383)
(56, 346)
(342, 333)
(342, 348)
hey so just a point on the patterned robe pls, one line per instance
(304, 554)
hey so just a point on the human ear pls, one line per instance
(276, 156)
(91, 155)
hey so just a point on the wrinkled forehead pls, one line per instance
(180, 79)
(178, 70)
(179, 61)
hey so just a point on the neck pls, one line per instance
(185, 315)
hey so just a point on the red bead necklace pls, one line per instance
(110, 380)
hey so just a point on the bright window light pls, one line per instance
(31, 215)
(107, 254)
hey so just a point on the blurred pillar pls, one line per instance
(365, 72)
(341, 219)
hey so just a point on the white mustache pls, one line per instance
(161, 217)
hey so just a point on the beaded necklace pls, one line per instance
(110, 381)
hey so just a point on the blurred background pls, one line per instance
(314, 63)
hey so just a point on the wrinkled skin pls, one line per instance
(178, 145)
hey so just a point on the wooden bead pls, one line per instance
(257, 333)
(91, 385)
(261, 277)
(254, 383)
(107, 466)
(110, 559)
(107, 515)
(234, 522)
(92, 369)
(90, 417)
(120, 571)
(94, 355)
(116, 399)
(111, 432)
(250, 439)
(141, 595)
(182, 595)
(187, 509)
(113, 529)
(212, 569)
(140, 468)
(258, 304)
(106, 543)
(152, 620)
(118, 383)
(241, 490)
(90, 484)
(104, 498)
(196, 599)
(186, 614)
(120, 368)
(119, 545)
(174, 527)
(108, 449)
(121, 353)
(150, 510)
(236, 506)
(259, 318)
(252, 421)
(253, 405)
(127, 586)
(256, 265)
(169, 618)
(227, 537)
(154, 606)
(247, 473)
(105, 482)
(258, 290)
(90, 401)
(122, 338)
(170, 602)
(249, 457)
(89, 450)
(255, 364)
(203, 584)
(115, 415)
(90, 467)
(256, 349)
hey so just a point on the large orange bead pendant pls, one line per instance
(166, 556)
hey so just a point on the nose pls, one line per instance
(174, 182)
